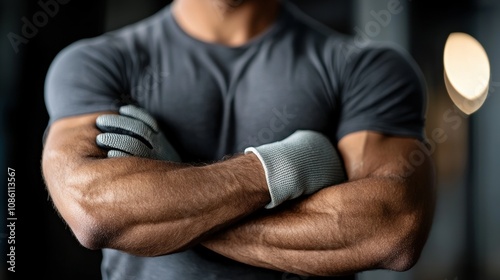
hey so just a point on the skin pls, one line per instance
(131, 204)
(227, 22)
(379, 219)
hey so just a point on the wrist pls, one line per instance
(301, 164)
(259, 179)
(250, 174)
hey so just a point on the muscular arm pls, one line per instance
(142, 206)
(380, 218)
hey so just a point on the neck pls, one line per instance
(227, 22)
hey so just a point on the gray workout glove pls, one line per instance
(134, 132)
(301, 164)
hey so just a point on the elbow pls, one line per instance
(89, 238)
(77, 197)
(95, 233)
(90, 231)
(409, 233)
(406, 247)
(90, 227)
(402, 261)
(79, 213)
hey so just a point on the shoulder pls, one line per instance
(390, 53)
(344, 50)
(116, 44)
(382, 89)
(379, 60)
(84, 58)
(112, 54)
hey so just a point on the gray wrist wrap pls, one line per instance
(301, 164)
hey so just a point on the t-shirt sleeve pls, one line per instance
(383, 90)
(85, 77)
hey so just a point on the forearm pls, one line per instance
(143, 206)
(348, 228)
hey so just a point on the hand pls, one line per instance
(134, 132)
(301, 164)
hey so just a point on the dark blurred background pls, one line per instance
(465, 239)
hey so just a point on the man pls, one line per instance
(201, 143)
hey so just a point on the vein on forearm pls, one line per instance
(339, 230)
(144, 206)
(167, 197)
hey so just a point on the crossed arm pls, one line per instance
(380, 218)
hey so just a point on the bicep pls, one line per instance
(73, 136)
(404, 172)
(368, 153)
(69, 144)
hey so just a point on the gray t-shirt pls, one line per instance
(212, 100)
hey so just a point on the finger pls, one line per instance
(124, 143)
(117, 153)
(140, 114)
(125, 125)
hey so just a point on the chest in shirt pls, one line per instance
(208, 111)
